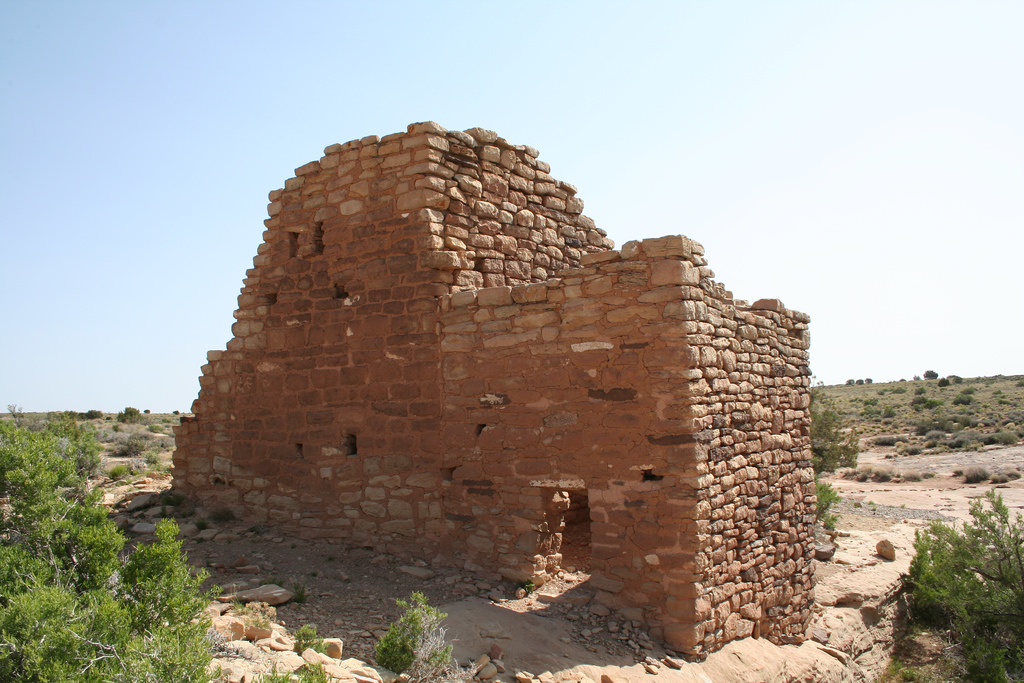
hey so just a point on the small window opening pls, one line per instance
(349, 445)
(318, 238)
(298, 452)
(269, 299)
(218, 480)
(293, 244)
(340, 291)
(449, 473)
(480, 429)
(649, 475)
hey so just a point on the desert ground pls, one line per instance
(350, 592)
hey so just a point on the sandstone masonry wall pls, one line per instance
(637, 380)
(436, 354)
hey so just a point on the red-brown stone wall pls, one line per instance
(436, 354)
(637, 380)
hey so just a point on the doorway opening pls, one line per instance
(576, 533)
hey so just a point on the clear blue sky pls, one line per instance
(862, 161)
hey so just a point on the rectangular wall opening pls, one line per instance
(576, 533)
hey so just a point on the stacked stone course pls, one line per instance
(436, 354)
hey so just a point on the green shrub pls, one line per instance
(943, 382)
(129, 415)
(827, 497)
(91, 415)
(307, 637)
(119, 471)
(975, 475)
(931, 374)
(75, 443)
(74, 608)
(308, 673)
(300, 593)
(832, 443)
(963, 399)
(884, 441)
(971, 580)
(416, 641)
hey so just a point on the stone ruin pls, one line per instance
(438, 355)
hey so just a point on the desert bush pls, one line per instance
(970, 580)
(1005, 437)
(920, 391)
(968, 390)
(935, 435)
(928, 475)
(258, 614)
(912, 450)
(119, 471)
(307, 637)
(975, 475)
(91, 415)
(307, 673)
(962, 399)
(888, 411)
(935, 423)
(415, 643)
(962, 439)
(999, 478)
(74, 607)
(943, 382)
(883, 473)
(884, 440)
(76, 443)
(1012, 474)
(956, 379)
(931, 374)
(827, 497)
(130, 445)
(129, 415)
(833, 444)
(912, 475)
